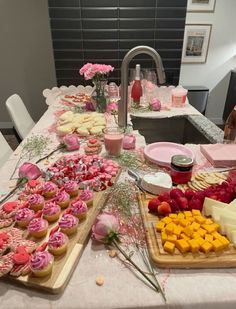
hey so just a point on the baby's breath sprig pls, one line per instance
(129, 159)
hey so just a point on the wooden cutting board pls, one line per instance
(224, 259)
(64, 265)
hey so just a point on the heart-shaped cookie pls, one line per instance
(9, 207)
(21, 256)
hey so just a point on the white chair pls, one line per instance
(22, 121)
(6, 150)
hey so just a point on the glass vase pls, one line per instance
(100, 95)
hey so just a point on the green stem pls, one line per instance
(136, 266)
(48, 155)
(20, 182)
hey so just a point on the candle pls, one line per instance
(113, 139)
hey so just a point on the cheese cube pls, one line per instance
(200, 240)
(208, 221)
(180, 215)
(209, 237)
(224, 241)
(216, 226)
(194, 245)
(187, 213)
(163, 237)
(188, 231)
(200, 219)
(166, 220)
(182, 245)
(206, 247)
(195, 226)
(217, 245)
(172, 238)
(216, 235)
(196, 235)
(175, 220)
(184, 222)
(169, 228)
(209, 228)
(183, 236)
(202, 232)
(177, 230)
(160, 225)
(173, 216)
(169, 247)
(196, 212)
(190, 219)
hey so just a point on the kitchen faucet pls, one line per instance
(123, 103)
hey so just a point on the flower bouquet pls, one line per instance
(98, 73)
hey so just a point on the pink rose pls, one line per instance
(155, 105)
(105, 226)
(112, 108)
(29, 171)
(71, 142)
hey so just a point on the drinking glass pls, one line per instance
(113, 140)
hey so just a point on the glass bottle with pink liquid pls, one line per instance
(113, 140)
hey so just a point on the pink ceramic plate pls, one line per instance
(161, 153)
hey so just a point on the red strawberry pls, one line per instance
(164, 196)
(164, 208)
(175, 193)
(174, 205)
(189, 193)
(182, 202)
(152, 205)
(195, 204)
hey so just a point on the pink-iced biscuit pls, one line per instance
(51, 211)
(38, 227)
(62, 199)
(72, 188)
(49, 189)
(36, 201)
(87, 197)
(41, 263)
(6, 264)
(68, 224)
(129, 141)
(57, 243)
(24, 216)
(79, 209)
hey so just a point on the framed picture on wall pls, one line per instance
(196, 43)
(201, 5)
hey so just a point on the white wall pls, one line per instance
(26, 57)
(215, 73)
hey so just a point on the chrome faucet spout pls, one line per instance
(123, 103)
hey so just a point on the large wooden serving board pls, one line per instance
(224, 259)
(65, 264)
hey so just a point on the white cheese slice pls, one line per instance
(233, 238)
(229, 228)
(156, 183)
(209, 203)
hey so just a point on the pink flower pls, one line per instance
(112, 108)
(71, 142)
(155, 105)
(89, 70)
(105, 227)
(29, 171)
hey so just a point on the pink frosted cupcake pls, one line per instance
(41, 263)
(49, 189)
(87, 197)
(68, 224)
(24, 216)
(57, 243)
(38, 227)
(62, 199)
(51, 211)
(36, 202)
(79, 209)
(72, 188)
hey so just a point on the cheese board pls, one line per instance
(223, 259)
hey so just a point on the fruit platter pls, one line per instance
(192, 225)
(44, 230)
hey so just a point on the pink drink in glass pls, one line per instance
(113, 139)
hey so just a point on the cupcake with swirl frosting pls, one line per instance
(41, 263)
(36, 201)
(57, 243)
(68, 224)
(24, 216)
(79, 209)
(62, 199)
(72, 188)
(38, 227)
(49, 189)
(51, 211)
(87, 197)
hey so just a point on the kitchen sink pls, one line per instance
(175, 129)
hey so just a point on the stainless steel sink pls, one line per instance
(175, 129)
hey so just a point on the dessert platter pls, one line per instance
(192, 226)
(44, 230)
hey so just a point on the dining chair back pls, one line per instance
(22, 121)
(6, 150)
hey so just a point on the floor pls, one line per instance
(10, 137)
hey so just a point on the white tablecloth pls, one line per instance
(184, 288)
